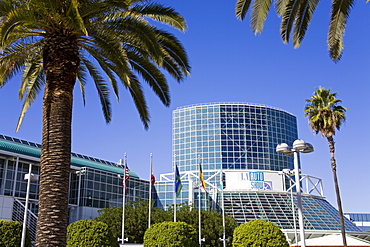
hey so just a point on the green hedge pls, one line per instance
(89, 233)
(171, 234)
(258, 233)
(11, 234)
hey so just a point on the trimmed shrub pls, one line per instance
(89, 233)
(11, 234)
(259, 233)
(171, 234)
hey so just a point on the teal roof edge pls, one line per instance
(79, 162)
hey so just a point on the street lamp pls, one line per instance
(29, 177)
(299, 146)
(288, 172)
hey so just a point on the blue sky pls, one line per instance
(230, 64)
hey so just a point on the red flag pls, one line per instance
(152, 178)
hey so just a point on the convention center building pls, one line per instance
(94, 183)
(234, 145)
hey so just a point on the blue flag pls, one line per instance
(178, 185)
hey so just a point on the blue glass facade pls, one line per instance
(227, 136)
(234, 135)
(231, 140)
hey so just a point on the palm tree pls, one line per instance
(55, 43)
(325, 115)
(296, 16)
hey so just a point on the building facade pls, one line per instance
(228, 137)
(94, 183)
(234, 144)
(362, 220)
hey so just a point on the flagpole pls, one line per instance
(199, 205)
(223, 210)
(124, 200)
(174, 191)
(199, 218)
(150, 189)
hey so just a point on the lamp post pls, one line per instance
(299, 146)
(288, 172)
(29, 177)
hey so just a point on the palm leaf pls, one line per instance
(74, 18)
(241, 8)
(81, 78)
(259, 13)
(291, 9)
(304, 15)
(33, 89)
(151, 75)
(280, 6)
(157, 12)
(137, 95)
(102, 89)
(337, 27)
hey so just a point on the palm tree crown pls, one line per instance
(113, 35)
(296, 17)
(324, 113)
(55, 44)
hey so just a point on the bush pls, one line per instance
(11, 234)
(89, 233)
(259, 233)
(171, 234)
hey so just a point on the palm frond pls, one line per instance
(102, 10)
(241, 8)
(74, 18)
(34, 86)
(32, 68)
(13, 60)
(13, 20)
(152, 75)
(259, 13)
(111, 57)
(303, 19)
(288, 20)
(133, 32)
(339, 15)
(157, 12)
(81, 78)
(102, 89)
(176, 61)
(280, 6)
(137, 95)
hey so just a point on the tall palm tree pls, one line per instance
(55, 43)
(325, 115)
(296, 16)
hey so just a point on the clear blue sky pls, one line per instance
(230, 64)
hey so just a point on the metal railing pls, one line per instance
(18, 214)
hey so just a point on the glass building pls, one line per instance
(234, 144)
(362, 220)
(94, 183)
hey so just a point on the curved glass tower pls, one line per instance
(234, 135)
(234, 144)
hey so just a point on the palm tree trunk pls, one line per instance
(60, 64)
(336, 184)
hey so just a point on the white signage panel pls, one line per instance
(253, 180)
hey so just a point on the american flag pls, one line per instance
(127, 176)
